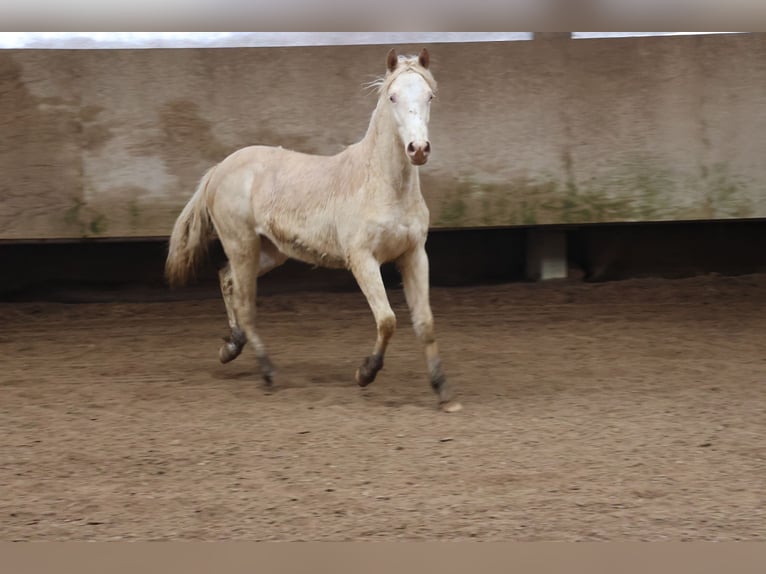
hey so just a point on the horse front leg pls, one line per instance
(413, 267)
(366, 270)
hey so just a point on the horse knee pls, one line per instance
(424, 331)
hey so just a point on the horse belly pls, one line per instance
(318, 248)
(312, 255)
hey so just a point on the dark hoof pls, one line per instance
(363, 379)
(229, 351)
(368, 370)
(267, 371)
(439, 384)
(232, 346)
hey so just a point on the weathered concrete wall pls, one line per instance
(112, 143)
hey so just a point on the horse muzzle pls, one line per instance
(418, 152)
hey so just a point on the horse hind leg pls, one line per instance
(244, 259)
(270, 257)
(235, 342)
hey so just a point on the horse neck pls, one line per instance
(383, 150)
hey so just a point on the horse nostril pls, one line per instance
(427, 148)
(410, 148)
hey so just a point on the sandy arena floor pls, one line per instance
(633, 410)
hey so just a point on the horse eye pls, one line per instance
(431, 97)
(392, 97)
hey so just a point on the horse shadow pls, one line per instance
(326, 383)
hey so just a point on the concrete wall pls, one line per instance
(102, 143)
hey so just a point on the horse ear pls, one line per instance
(424, 58)
(392, 60)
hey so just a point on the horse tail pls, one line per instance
(191, 236)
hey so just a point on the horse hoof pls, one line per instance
(368, 370)
(228, 352)
(363, 380)
(450, 406)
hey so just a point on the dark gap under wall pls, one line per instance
(669, 250)
(109, 270)
(132, 270)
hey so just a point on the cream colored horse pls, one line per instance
(354, 210)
